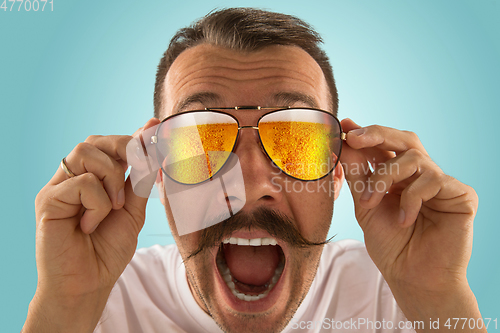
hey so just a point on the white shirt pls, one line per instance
(347, 294)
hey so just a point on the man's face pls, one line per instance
(209, 76)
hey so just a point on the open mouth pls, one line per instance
(252, 267)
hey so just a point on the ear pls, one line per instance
(338, 180)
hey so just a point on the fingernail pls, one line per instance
(401, 216)
(358, 132)
(121, 197)
(367, 194)
(93, 229)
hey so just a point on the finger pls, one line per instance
(422, 189)
(65, 200)
(112, 145)
(109, 145)
(116, 145)
(141, 152)
(135, 204)
(403, 168)
(356, 169)
(384, 138)
(87, 158)
(374, 155)
(454, 197)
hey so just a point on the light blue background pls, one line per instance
(88, 67)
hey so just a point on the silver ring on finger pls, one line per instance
(66, 170)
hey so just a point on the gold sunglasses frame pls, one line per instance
(154, 138)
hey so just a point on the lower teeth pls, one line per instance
(226, 275)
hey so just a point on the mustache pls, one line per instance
(275, 223)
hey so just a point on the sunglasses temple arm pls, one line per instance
(343, 136)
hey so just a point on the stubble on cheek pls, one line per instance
(202, 288)
(303, 267)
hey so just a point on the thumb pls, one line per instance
(141, 178)
(356, 167)
(142, 158)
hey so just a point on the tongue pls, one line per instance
(253, 265)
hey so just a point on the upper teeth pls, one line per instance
(250, 242)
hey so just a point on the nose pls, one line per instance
(262, 178)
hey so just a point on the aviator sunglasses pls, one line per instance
(193, 146)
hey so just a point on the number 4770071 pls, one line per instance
(27, 5)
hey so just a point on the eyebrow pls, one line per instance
(290, 98)
(205, 98)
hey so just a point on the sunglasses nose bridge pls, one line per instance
(242, 127)
(248, 127)
(258, 139)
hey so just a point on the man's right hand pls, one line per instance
(87, 229)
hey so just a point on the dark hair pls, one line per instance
(245, 29)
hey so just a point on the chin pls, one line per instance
(252, 281)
